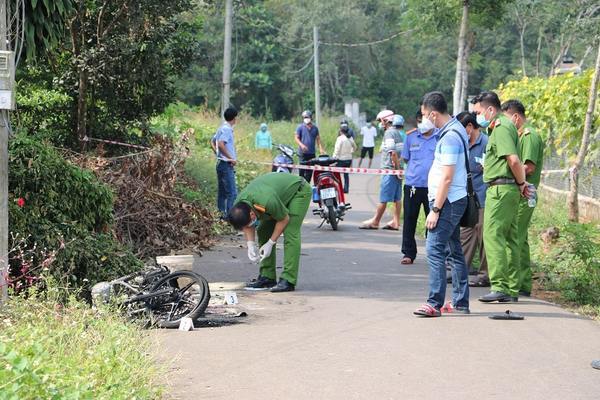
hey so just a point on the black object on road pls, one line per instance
(508, 315)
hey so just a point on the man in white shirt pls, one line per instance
(368, 132)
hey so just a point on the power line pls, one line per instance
(305, 65)
(395, 35)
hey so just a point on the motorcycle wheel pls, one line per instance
(331, 214)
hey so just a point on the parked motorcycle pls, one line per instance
(328, 193)
(285, 156)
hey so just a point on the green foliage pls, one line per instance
(557, 108)
(55, 189)
(44, 112)
(45, 25)
(571, 265)
(49, 350)
(63, 206)
(272, 43)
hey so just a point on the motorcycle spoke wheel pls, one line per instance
(188, 296)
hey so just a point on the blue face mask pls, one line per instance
(482, 121)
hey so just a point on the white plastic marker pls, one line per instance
(231, 298)
(186, 324)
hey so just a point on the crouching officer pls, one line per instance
(270, 205)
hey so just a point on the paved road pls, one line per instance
(348, 331)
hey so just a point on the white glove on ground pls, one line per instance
(253, 251)
(266, 249)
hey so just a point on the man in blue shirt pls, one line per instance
(307, 135)
(226, 160)
(472, 238)
(447, 183)
(418, 153)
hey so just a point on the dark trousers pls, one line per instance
(226, 187)
(414, 197)
(306, 173)
(345, 163)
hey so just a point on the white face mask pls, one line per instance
(426, 125)
(307, 121)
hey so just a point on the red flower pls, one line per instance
(20, 202)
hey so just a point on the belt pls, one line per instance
(502, 181)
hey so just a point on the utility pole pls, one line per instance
(3, 173)
(316, 65)
(227, 56)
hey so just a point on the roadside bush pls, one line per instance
(572, 264)
(569, 264)
(52, 350)
(43, 111)
(55, 205)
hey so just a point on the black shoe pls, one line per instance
(283, 286)
(261, 283)
(524, 293)
(497, 296)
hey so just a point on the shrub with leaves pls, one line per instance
(55, 204)
(557, 108)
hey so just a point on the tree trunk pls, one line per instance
(538, 53)
(82, 106)
(522, 43)
(572, 198)
(458, 100)
(465, 78)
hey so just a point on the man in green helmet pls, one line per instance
(270, 205)
(505, 176)
(531, 153)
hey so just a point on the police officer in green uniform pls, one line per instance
(504, 174)
(531, 153)
(270, 205)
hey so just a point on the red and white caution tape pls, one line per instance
(346, 170)
(135, 146)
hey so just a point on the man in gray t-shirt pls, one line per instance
(390, 190)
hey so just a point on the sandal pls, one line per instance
(406, 261)
(426, 310)
(368, 227)
(390, 228)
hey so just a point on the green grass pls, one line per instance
(54, 351)
(570, 266)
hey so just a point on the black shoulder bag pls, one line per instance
(471, 216)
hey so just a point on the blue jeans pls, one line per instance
(227, 191)
(443, 243)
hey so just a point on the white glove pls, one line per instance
(265, 250)
(253, 251)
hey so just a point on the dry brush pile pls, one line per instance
(149, 214)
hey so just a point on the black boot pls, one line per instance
(260, 283)
(283, 286)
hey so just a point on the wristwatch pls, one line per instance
(436, 209)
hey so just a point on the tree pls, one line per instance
(121, 57)
(444, 16)
(572, 200)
